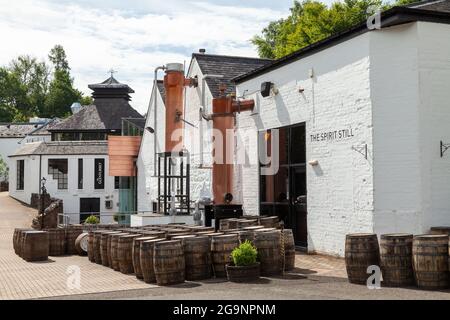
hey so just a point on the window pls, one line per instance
(80, 174)
(99, 174)
(58, 168)
(20, 174)
(116, 183)
(122, 183)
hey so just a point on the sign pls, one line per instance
(331, 136)
(99, 171)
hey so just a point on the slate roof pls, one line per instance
(18, 130)
(111, 83)
(110, 106)
(97, 117)
(430, 11)
(63, 148)
(433, 5)
(228, 66)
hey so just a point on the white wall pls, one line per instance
(7, 147)
(147, 183)
(340, 190)
(71, 196)
(410, 72)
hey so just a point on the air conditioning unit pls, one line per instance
(109, 204)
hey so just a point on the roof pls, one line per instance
(162, 89)
(18, 129)
(228, 66)
(111, 83)
(430, 11)
(63, 148)
(138, 122)
(433, 5)
(104, 116)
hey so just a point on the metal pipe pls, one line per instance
(202, 114)
(155, 97)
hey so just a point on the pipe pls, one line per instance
(155, 138)
(202, 114)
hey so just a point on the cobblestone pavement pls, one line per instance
(23, 280)
(315, 277)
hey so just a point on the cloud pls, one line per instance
(133, 37)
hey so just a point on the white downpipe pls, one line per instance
(155, 138)
(202, 113)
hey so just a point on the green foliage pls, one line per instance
(245, 254)
(4, 170)
(311, 21)
(29, 87)
(92, 220)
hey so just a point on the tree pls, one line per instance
(29, 87)
(311, 21)
(61, 92)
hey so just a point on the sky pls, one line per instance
(133, 36)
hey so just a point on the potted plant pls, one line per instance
(245, 267)
(92, 220)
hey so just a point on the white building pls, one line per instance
(14, 135)
(362, 121)
(75, 163)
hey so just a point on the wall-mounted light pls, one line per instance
(301, 90)
(266, 87)
(313, 163)
(150, 129)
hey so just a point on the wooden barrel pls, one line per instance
(197, 256)
(124, 253)
(224, 224)
(253, 228)
(361, 251)
(35, 246)
(209, 233)
(136, 254)
(56, 242)
(289, 250)
(221, 248)
(96, 246)
(441, 230)
(270, 222)
(169, 262)
(146, 258)
(244, 223)
(269, 251)
(430, 261)
(82, 243)
(396, 259)
(246, 235)
(264, 230)
(108, 245)
(104, 247)
(173, 235)
(72, 233)
(16, 239)
(114, 244)
(91, 246)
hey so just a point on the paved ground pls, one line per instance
(315, 277)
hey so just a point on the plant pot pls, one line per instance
(243, 273)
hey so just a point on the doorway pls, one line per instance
(88, 207)
(284, 194)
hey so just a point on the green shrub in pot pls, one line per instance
(92, 220)
(244, 255)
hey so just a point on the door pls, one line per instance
(284, 193)
(88, 207)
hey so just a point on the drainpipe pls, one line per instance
(155, 138)
(202, 114)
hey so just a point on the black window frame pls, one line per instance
(59, 170)
(80, 174)
(20, 183)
